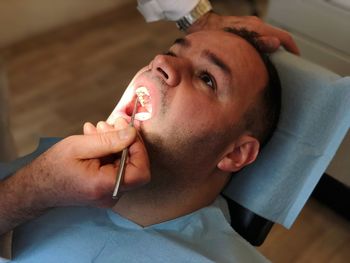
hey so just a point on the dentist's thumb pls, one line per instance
(103, 144)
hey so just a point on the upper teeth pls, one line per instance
(142, 94)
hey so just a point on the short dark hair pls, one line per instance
(261, 119)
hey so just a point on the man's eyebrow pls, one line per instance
(217, 61)
(213, 58)
(182, 42)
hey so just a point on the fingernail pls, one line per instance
(125, 133)
(101, 125)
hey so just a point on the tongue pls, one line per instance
(143, 113)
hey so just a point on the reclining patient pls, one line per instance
(212, 102)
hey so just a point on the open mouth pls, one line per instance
(125, 107)
(144, 107)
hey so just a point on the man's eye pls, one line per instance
(208, 80)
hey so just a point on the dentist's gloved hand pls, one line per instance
(73, 172)
(271, 38)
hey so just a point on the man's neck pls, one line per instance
(153, 204)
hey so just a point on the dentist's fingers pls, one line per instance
(89, 128)
(269, 44)
(72, 171)
(137, 171)
(268, 33)
(119, 124)
(103, 126)
(103, 144)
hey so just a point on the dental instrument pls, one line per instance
(123, 159)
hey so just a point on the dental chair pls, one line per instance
(315, 117)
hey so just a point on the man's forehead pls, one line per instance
(221, 42)
(225, 49)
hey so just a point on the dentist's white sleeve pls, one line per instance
(154, 10)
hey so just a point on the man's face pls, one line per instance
(198, 93)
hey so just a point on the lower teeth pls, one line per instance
(142, 116)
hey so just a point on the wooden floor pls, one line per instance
(61, 79)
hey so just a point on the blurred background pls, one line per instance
(63, 63)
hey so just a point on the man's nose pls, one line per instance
(166, 68)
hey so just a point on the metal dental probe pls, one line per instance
(121, 169)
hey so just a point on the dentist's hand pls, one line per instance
(270, 37)
(72, 172)
(137, 171)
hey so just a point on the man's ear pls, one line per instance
(243, 152)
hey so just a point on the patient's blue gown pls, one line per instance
(85, 234)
